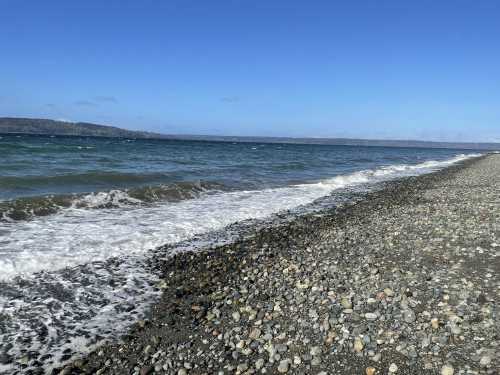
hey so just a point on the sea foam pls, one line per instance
(79, 235)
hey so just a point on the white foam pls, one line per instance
(114, 198)
(77, 236)
(73, 311)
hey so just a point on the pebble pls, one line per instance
(315, 351)
(346, 303)
(447, 370)
(409, 316)
(259, 363)
(435, 323)
(316, 361)
(242, 367)
(24, 360)
(236, 316)
(393, 368)
(388, 292)
(255, 334)
(358, 344)
(284, 366)
(371, 316)
(370, 371)
(485, 361)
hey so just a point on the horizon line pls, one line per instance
(277, 137)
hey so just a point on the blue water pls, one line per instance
(76, 213)
(43, 165)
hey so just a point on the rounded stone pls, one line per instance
(236, 316)
(447, 370)
(435, 323)
(409, 316)
(284, 366)
(388, 292)
(371, 316)
(358, 344)
(259, 363)
(346, 303)
(485, 361)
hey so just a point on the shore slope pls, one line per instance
(405, 281)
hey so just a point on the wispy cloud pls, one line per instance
(105, 99)
(86, 103)
(230, 99)
(96, 101)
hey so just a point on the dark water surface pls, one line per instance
(41, 165)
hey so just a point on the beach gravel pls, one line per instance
(404, 281)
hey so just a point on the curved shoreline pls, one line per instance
(197, 285)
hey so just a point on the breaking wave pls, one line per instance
(28, 208)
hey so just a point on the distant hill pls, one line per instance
(345, 142)
(53, 127)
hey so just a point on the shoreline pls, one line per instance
(198, 285)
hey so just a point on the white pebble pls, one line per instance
(393, 368)
(447, 370)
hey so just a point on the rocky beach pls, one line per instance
(403, 281)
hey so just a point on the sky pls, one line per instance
(426, 70)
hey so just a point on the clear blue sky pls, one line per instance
(371, 69)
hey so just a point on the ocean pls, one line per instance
(81, 217)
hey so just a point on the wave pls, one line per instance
(136, 225)
(28, 208)
(41, 148)
(391, 171)
(85, 179)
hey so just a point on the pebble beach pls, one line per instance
(403, 281)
